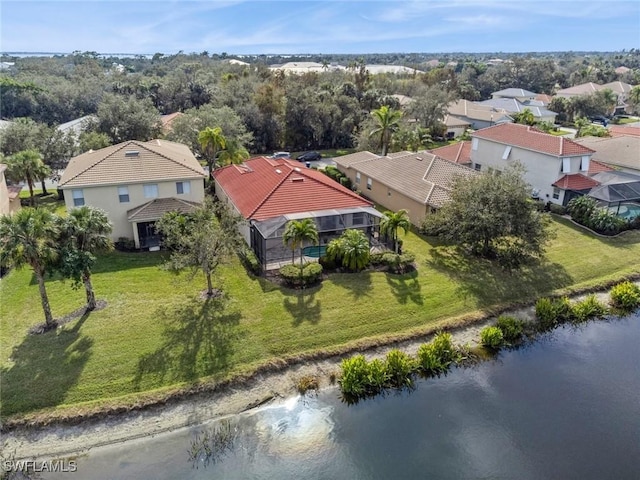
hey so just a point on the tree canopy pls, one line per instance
(492, 216)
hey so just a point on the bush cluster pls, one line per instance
(585, 211)
(360, 378)
(398, 263)
(124, 244)
(554, 311)
(249, 260)
(625, 296)
(296, 276)
(492, 337)
(557, 209)
(512, 328)
(335, 174)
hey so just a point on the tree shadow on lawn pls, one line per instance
(198, 340)
(406, 287)
(302, 305)
(357, 284)
(626, 239)
(487, 283)
(45, 366)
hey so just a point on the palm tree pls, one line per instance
(388, 122)
(27, 165)
(610, 100)
(211, 141)
(634, 98)
(355, 249)
(297, 232)
(28, 237)
(580, 123)
(392, 222)
(233, 153)
(85, 232)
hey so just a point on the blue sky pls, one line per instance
(256, 27)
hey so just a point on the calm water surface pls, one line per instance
(566, 407)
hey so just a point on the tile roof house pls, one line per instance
(455, 126)
(9, 194)
(621, 89)
(135, 183)
(513, 105)
(618, 130)
(418, 182)
(555, 166)
(269, 192)
(456, 152)
(478, 116)
(517, 93)
(621, 152)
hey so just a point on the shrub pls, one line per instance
(398, 263)
(557, 209)
(354, 377)
(589, 308)
(328, 263)
(345, 181)
(429, 360)
(437, 355)
(491, 337)
(294, 275)
(125, 244)
(444, 348)
(250, 261)
(581, 208)
(625, 296)
(511, 328)
(377, 376)
(400, 368)
(376, 259)
(551, 312)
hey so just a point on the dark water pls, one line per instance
(566, 407)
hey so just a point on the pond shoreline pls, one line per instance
(76, 434)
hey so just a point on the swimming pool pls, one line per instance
(628, 211)
(315, 251)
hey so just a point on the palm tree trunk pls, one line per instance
(44, 187)
(31, 199)
(88, 287)
(48, 318)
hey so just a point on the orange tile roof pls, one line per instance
(597, 167)
(617, 130)
(531, 138)
(263, 188)
(575, 181)
(456, 152)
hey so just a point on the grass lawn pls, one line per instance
(624, 121)
(155, 334)
(49, 201)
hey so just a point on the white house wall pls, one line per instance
(107, 199)
(542, 170)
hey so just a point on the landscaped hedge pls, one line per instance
(360, 378)
(296, 276)
(625, 296)
(332, 172)
(585, 211)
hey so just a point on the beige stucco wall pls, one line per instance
(106, 198)
(542, 169)
(387, 197)
(243, 226)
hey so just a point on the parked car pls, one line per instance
(280, 155)
(309, 156)
(599, 119)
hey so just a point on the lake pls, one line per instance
(564, 407)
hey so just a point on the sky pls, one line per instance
(318, 27)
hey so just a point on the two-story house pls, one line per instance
(556, 168)
(135, 183)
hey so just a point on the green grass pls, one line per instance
(624, 121)
(156, 335)
(49, 201)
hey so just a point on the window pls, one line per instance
(183, 188)
(506, 153)
(369, 183)
(123, 194)
(151, 190)
(357, 218)
(584, 163)
(474, 144)
(78, 197)
(556, 193)
(477, 166)
(566, 165)
(357, 178)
